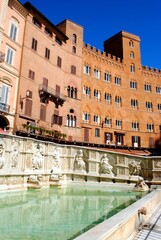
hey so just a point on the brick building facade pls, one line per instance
(62, 85)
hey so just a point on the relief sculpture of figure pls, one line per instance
(2, 159)
(56, 158)
(14, 158)
(134, 168)
(38, 156)
(105, 167)
(79, 163)
(141, 185)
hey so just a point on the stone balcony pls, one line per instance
(50, 94)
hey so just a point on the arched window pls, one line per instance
(86, 91)
(72, 92)
(71, 121)
(132, 68)
(131, 43)
(131, 55)
(108, 97)
(74, 38)
(73, 49)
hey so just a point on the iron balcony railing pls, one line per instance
(51, 93)
(4, 107)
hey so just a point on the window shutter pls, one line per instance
(43, 113)
(60, 120)
(28, 107)
(139, 142)
(132, 140)
(45, 82)
(58, 90)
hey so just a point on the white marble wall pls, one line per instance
(21, 158)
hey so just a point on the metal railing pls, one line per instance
(4, 107)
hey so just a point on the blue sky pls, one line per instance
(104, 18)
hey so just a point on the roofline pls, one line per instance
(29, 6)
(66, 19)
(124, 34)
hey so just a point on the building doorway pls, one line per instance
(108, 138)
(119, 138)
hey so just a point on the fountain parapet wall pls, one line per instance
(27, 162)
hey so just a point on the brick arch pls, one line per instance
(86, 108)
(72, 84)
(134, 118)
(150, 120)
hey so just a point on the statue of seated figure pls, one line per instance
(105, 167)
(79, 163)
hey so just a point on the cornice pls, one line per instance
(18, 6)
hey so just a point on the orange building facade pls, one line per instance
(121, 101)
(59, 84)
(50, 86)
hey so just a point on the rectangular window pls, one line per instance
(73, 69)
(13, 31)
(97, 132)
(107, 77)
(34, 44)
(43, 112)
(97, 74)
(59, 61)
(47, 53)
(9, 55)
(4, 94)
(135, 141)
(31, 75)
(86, 69)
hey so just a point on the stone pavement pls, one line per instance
(152, 229)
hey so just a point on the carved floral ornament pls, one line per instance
(157, 164)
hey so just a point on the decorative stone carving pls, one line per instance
(157, 164)
(134, 168)
(79, 163)
(141, 186)
(38, 156)
(105, 167)
(15, 154)
(2, 159)
(56, 158)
